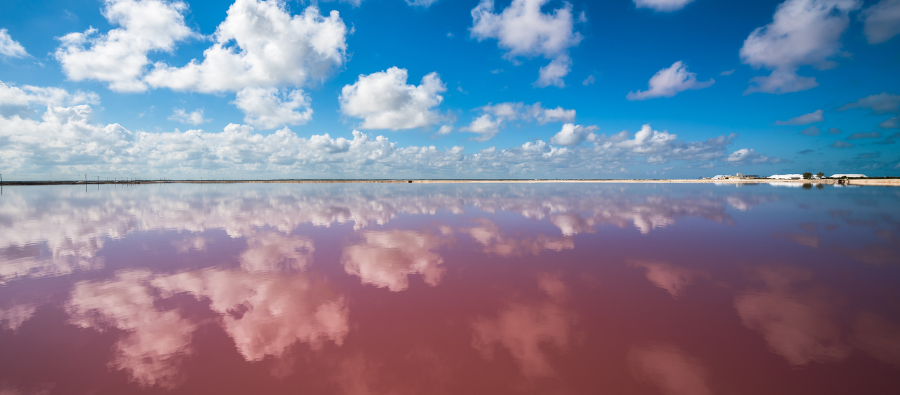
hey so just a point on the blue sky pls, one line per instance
(435, 89)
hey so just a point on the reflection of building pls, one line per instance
(787, 177)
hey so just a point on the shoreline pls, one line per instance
(851, 181)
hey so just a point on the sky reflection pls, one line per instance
(371, 289)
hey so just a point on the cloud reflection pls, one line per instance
(62, 229)
(526, 330)
(385, 259)
(670, 369)
(667, 276)
(265, 314)
(273, 252)
(798, 325)
(12, 318)
(495, 242)
(155, 341)
(878, 337)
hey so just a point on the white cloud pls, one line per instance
(193, 118)
(119, 57)
(662, 5)
(261, 45)
(485, 126)
(384, 100)
(805, 119)
(589, 80)
(497, 115)
(10, 47)
(882, 21)
(269, 108)
(510, 111)
(553, 73)
(746, 156)
(572, 135)
(421, 3)
(523, 30)
(802, 32)
(880, 104)
(669, 82)
(64, 142)
(445, 130)
(15, 100)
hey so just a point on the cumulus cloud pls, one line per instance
(522, 30)
(572, 135)
(863, 135)
(805, 119)
(589, 80)
(747, 156)
(882, 21)
(9, 47)
(811, 131)
(64, 141)
(841, 144)
(510, 111)
(890, 123)
(192, 118)
(669, 82)
(119, 57)
(485, 126)
(260, 45)
(802, 33)
(670, 369)
(16, 101)
(386, 259)
(269, 108)
(881, 103)
(662, 5)
(497, 115)
(421, 3)
(385, 101)
(660, 147)
(553, 73)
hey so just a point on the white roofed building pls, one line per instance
(848, 176)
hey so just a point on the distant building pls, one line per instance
(737, 176)
(848, 176)
(787, 177)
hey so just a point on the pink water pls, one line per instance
(449, 289)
